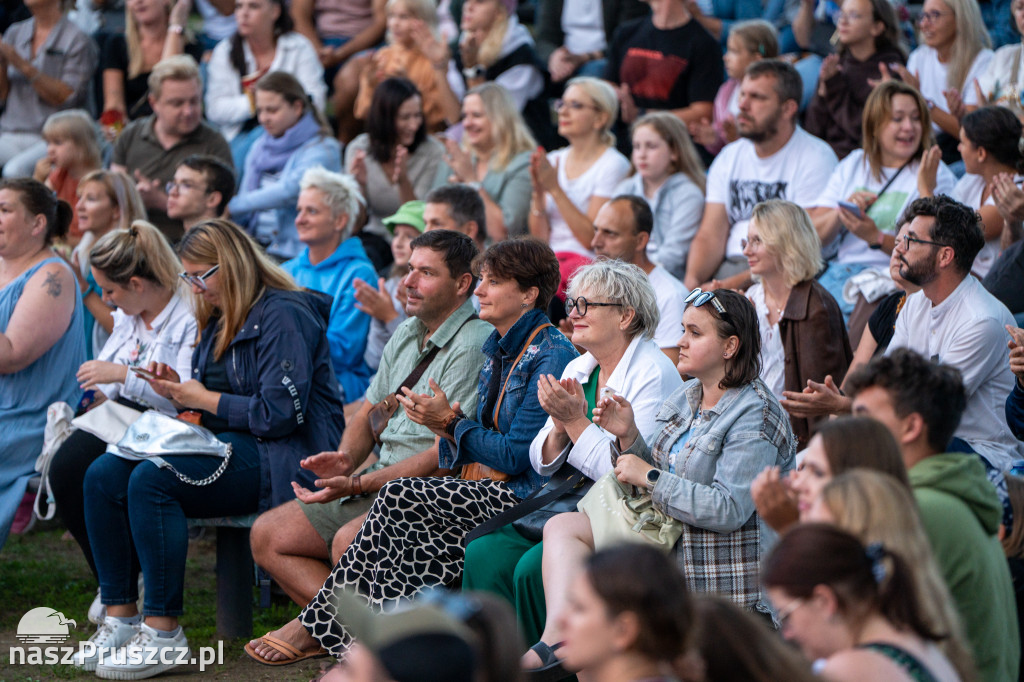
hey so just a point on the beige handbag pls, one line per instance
(618, 513)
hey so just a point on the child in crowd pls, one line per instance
(667, 173)
(72, 150)
(386, 303)
(748, 42)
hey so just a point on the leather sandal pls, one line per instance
(550, 669)
(291, 654)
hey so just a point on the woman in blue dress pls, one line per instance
(42, 337)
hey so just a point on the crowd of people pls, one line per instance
(665, 330)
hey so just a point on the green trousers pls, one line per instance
(508, 565)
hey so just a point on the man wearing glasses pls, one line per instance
(201, 189)
(955, 321)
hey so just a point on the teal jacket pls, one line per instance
(961, 514)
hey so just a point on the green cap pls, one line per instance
(410, 213)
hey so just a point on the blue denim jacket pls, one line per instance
(723, 540)
(520, 417)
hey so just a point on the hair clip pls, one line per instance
(875, 552)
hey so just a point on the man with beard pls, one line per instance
(773, 159)
(955, 321)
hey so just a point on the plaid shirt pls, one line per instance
(723, 539)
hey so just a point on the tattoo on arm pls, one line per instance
(52, 284)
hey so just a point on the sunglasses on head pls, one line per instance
(697, 298)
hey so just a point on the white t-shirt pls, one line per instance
(997, 83)
(739, 179)
(968, 191)
(670, 294)
(924, 61)
(597, 181)
(583, 25)
(773, 357)
(853, 174)
(967, 331)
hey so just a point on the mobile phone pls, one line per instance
(852, 208)
(144, 373)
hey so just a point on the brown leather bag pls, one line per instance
(381, 413)
(475, 471)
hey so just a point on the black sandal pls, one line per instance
(550, 669)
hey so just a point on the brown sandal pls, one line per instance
(291, 654)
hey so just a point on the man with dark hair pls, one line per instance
(955, 321)
(201, 189)
(622, 229)
(293, 541)
(922, 403)
(773, 159)
(456, 207)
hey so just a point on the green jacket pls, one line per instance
(961, 514)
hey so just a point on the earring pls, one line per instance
(523, 306)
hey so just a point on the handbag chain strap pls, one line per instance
(205, 481)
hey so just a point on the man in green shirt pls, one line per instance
(293, 541)
(921, 403)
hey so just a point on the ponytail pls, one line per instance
(140, 251)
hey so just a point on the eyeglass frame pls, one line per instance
(575, 105)
(908, 240)
(169, 186)
(199, 280)
(571, 303)
(786, 612)
(698, 297)
(931, 16)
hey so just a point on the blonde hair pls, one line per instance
(971, 38)
(340, 192)
(758, 36)
(136, 61)
(875, 507)
(490, 46)
(180, 67)
(244, 275)
(511, 136)
(605, 99)
(622, 283)
(424, 10)
(140, 251)
(122, 192)
(786, 229)
(77, 126)
(878, 112)
(673, 131)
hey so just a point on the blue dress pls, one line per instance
(25, 395)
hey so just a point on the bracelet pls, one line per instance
(357, 484)
(176, 29)
(449, 423)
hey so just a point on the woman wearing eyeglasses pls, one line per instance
(136, 271)
(803, 336)
(856, 607)
(614, 314)
(571, 185)
(709, 439)
(261, 380)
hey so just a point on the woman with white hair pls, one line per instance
(571, 185)
(614, 313)
(333, 258)
(803, 336)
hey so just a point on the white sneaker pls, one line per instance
(145, 655)
(98, 611)
(111, 634)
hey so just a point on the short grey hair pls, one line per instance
(620, 282)
(340, 190)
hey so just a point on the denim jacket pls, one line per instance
(520, 416)
(723, 539)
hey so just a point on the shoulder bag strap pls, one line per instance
(497, 405)
(557, 487)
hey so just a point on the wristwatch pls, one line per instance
(451, 422)
(652, 478)
(471, 72)
(879, 241)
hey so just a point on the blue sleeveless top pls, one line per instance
(25, 395)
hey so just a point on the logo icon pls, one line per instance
(43, 625)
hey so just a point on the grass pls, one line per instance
(42, 569)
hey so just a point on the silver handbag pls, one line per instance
(154, 436)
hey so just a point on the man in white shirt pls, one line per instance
(773, 159)
(622, 229)
(955, 321)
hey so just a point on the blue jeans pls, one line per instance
(135, 513)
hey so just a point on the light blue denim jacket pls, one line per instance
(723, 539)
(520, 416)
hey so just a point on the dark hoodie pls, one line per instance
(961, 515)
